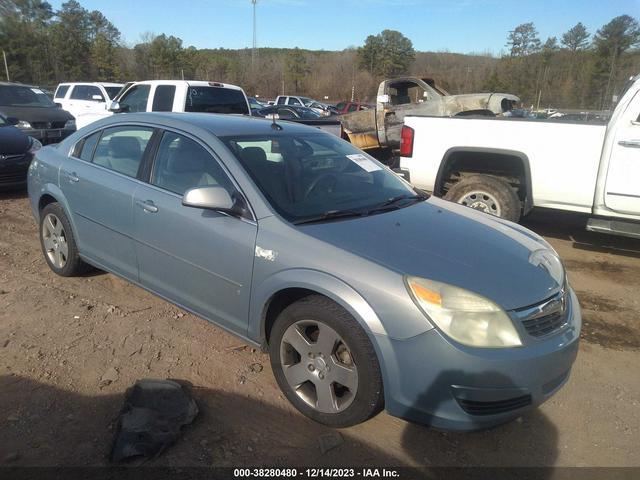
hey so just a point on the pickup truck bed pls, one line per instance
(562, 159)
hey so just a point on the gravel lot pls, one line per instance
(69, 349)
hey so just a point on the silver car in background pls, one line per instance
(367, 294)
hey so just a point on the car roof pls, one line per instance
(104, 84)
(220, 125)
(190, 83)
(12, 84)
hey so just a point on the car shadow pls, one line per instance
(528, 441)
(44, 425)
(572, 227)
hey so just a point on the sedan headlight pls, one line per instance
(464, 316)
(35, 145)
(23, 124)
(70, 124)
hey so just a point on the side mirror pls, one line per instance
(214, 198)
(272, 116)
(13, 120)
(97, 98)
(115, 107)
(383, 99)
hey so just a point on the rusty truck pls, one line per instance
(378, 130)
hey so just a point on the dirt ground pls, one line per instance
(69, 349)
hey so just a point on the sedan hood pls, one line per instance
(37, 114)
(13, 141)
(449, 243)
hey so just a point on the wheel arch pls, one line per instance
(503, 157)
(283, 288)
(51, 193)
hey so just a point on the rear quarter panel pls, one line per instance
(563, 157)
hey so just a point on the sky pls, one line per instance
(462, 26)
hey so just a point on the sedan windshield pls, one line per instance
(19, 96)
(317, 177)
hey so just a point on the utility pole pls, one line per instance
(6, 67)
(255, 39)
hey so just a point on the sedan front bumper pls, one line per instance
(431, 380)
(13, 170)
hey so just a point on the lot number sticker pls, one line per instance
(364, 162)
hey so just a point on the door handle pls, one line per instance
(147, 206)
(629, 143)
(72, 177)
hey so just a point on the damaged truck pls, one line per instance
(378, 130)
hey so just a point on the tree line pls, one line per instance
(577, 70)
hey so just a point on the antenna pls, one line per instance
(255, 40)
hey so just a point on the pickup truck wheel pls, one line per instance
(488, 194)
(325, 364)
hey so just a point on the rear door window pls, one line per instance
(93, 90)
(135, 100)
(282, 100)
(79, 92)
(121, 149)
(163, 98)
(89, 145)
(216, 100)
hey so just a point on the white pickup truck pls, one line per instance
(178, 96)
(506, 167)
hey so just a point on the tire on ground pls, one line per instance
(369, 398)
(499, 189)
(74, 264)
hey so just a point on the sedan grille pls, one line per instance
(48, 125)
(546, 317)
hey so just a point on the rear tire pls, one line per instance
(58, 243)
(315, 344)
(490, 195)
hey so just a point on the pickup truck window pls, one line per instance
(85, 92)
(216, 100)
(405, 92)
(61, 91)
(112, 91)
(135, 100)
(163, 98)
(294, 101)
(282, 100)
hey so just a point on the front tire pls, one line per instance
(58, 243)
(325, 364)
(490, 195)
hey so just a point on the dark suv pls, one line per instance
(36, 113)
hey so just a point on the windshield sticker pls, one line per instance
(363, 162)
(38, 91)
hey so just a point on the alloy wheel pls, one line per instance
(318, 366)
(54, 239)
